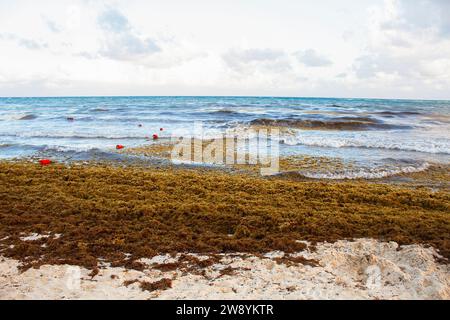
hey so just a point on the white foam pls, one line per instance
(366, 173)
(392, 141)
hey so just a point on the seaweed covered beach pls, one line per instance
(143, 201)
(225, 150)
(84, 214)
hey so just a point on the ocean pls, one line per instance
(383, 137)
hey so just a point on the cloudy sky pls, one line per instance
(327, 48)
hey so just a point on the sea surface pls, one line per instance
(384, 137)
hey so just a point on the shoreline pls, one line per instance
(306, 168)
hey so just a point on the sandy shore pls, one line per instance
(364, 269)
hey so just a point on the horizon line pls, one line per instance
(217, 96)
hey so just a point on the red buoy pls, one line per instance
(119, 147)
(161, 129)
(45, 162)
(155, 137)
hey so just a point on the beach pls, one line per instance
(345, 270)
(98, 199)
(203, 228)
(253, 153)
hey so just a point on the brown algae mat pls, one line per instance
(291, 167)
(92, 213)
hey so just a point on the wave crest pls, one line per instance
(342, 123)
(369, 142)
(28, 117)
(366, 173)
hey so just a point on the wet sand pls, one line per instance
(435, 176)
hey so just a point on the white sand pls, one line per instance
(364, 269)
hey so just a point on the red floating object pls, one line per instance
(155, 137)
(119, 146)
(45, 162)
(161, 129)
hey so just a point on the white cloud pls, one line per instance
(375, 48)
(430, 15)
(113, 21)
(121, 41)
(52, 25)
(24, 42)
(408, 43)
(252, 60)
(311, 58)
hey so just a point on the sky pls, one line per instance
(321, 48)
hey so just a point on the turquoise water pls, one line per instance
(394, 132)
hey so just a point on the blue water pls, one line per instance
(404, 130)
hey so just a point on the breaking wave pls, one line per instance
(398, 113)
(28, 117)
(342, 123)
(366, 173)
(434, 146)
(99, 110)
(224, 111)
